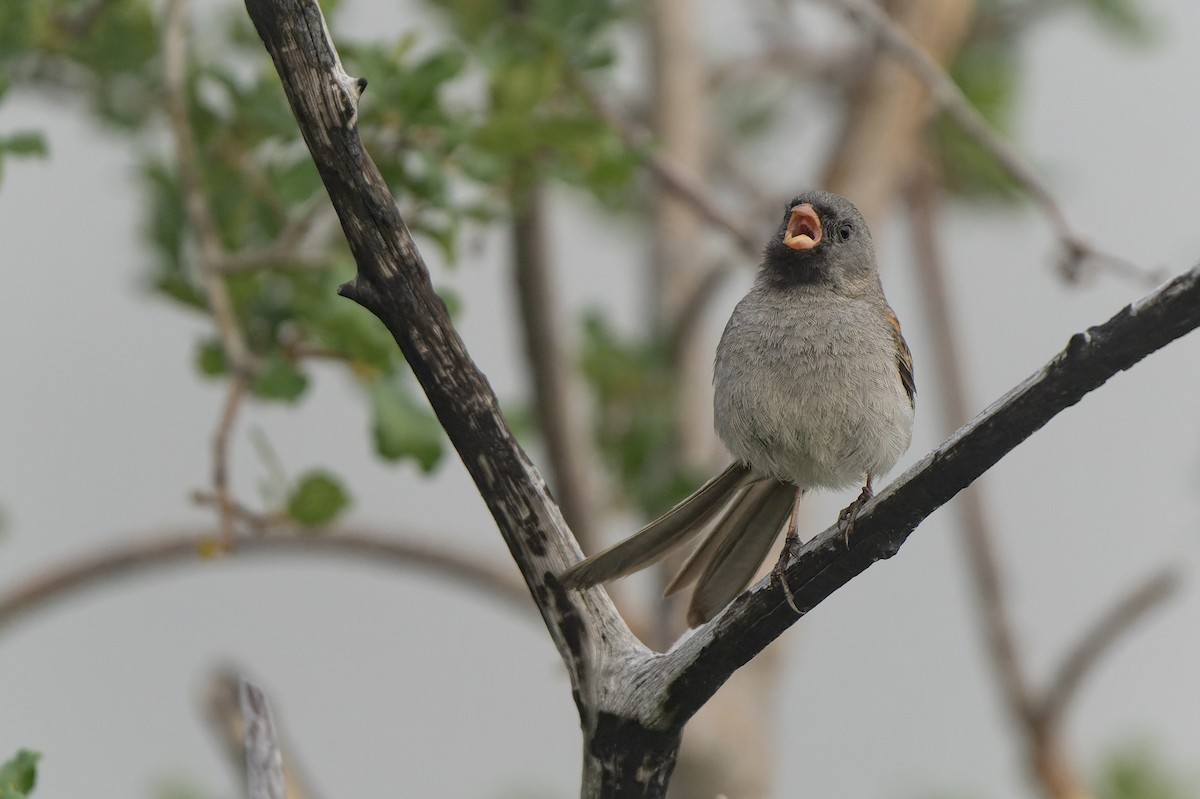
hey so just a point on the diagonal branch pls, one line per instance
(1082, 658)
(686, 187)
(888, 109)
(951, 99)
(692, 672)
(394, 284)
(682, 183)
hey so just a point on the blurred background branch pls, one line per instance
(224, 710)
(148, 553)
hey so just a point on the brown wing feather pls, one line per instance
(903, 359)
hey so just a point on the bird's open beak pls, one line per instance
(803, 228)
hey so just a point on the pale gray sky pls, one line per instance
(388, 682)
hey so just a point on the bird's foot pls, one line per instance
(791, 548)
(849, 514)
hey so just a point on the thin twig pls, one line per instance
(1082, 658)
(951, 99)
(269, 522)
(679, 181)
(290, 250)
(202, 545)
(688, 188)
(199, 214)
(238, 388)
(211, 252)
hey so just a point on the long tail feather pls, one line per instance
(742, 545)
(672, 529)
(734, 516)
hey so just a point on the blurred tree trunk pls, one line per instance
(680, 114)
(557, 400)
(889, 109)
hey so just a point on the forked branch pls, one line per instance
(633, 703)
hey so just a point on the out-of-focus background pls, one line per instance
(402, 682)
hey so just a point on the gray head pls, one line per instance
(822, 239)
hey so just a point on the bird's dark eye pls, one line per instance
(845, 231)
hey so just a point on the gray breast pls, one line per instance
(810, 392)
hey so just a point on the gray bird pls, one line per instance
(813, 388)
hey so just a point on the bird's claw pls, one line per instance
(791, 548)
(849, 514)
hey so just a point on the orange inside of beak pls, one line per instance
(803, 228)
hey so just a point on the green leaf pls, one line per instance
(418, 90)
(20, 145)
(345, 328)
(317, 499)
(1124, 19)
(19, 775)
(635, 394)
(987, 72)
(210, 359)
(279, 380)
(25, 143)
(165, 228)
(1137, 772)
(402, 428)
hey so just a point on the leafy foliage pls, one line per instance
(1125, 19)
(537, 122)
(987, 72)
(635, 401)
(450, 161)
(18, 775)
(1136, 772)
(24, 144)
(403, 428)
(278, 379)
(460, 124)
(317, 499)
